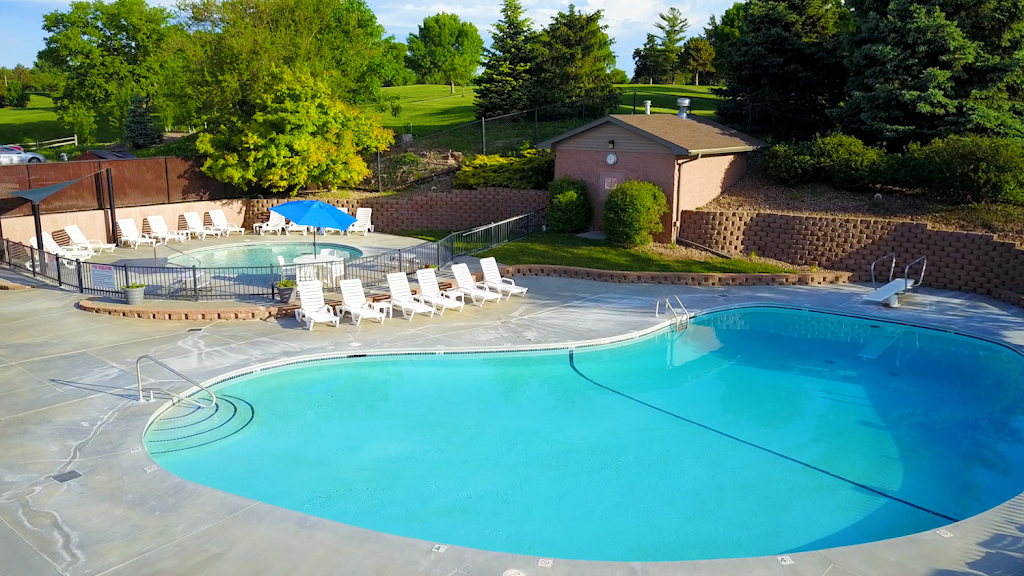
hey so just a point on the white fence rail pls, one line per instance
(56, 143)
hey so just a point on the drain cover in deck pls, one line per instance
(66, 476)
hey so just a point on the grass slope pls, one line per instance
(39, 122)
(570, 250)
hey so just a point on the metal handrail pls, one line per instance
(138, 373)
(892, 268)
(679, 318)
(906, 271)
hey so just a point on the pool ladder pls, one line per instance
(177, 397)
(682, 321)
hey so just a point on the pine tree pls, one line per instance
(919, 70)
(507, 80)
(673, 28)
(139, 130)
(697, 56)
(651, 64)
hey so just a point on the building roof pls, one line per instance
(105, 155)
(689, 137)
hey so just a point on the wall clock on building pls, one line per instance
(611, 158)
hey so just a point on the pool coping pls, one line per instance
(942, 533)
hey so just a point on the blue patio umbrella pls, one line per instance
(314, 213)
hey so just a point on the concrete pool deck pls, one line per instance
(68, 402)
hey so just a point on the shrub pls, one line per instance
(632, 213)
(966, 169)
(788, 165)
(526, 170)
(569, 207)
(846, 162)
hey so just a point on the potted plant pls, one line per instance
(285, 291)
(134, 293)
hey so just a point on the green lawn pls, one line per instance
(571, 250)
(438, 118)
(39, 122)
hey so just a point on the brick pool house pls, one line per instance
(692, 159)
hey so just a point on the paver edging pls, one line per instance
(680, 278)
(123, 310)
(5, 285)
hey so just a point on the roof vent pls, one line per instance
(647, 106)
(684, 106)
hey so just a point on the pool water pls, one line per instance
(255, 254)
(753, 432)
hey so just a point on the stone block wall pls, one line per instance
(964, 261)
(454, 210)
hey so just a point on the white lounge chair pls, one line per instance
(197, 228)
(293, 227)
(362, 223)
(130, 234)
(312, 308)
(354, 302)
(494, 281)
(275, 224)
(220, 222)
(430, 292)
(464, 283)
(158, 229)
(78, 240)
(402, 298)
(50, 245)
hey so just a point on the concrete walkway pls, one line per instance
(68, 402)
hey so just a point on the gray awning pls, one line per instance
(39, 194)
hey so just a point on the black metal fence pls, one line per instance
(251, 282)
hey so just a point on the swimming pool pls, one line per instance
(754, 431)
(255, 254)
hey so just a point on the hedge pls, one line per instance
(632, 213)
(569, 207)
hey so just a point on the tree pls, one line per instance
(574, 59)
(507, 80)
(104, 54)
(139, 131)
(721, 34)
(651, 63)
(919, 71)
(618, 76)
(13, 94)
(673, 29)
(445, 50)
(697, 56)
(297, 134)
(230, 46)
(785, 71)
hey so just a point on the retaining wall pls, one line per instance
(963, 261)
(454, 210)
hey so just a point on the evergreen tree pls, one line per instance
(919, 70)
(139, 130)
(785, 71)
(507, 79)
(651, 63)
(697, 56)
(721, 33)
(574, 61)
(673, 29)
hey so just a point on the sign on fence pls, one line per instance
(103, 277)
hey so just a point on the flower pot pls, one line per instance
(135, 296)
(284, 295)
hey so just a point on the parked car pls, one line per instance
(15, 155)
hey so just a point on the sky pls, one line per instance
(21, 34)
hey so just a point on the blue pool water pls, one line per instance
(755, 431)
(255, 254)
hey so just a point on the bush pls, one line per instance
(966, 169)
(14, 95)
(632, 213)
(527, 170)
(788, 165)
(569, 207)
(846, 162)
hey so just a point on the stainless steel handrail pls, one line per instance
(906, 271)
(679, 319)
(892, 268)
(138, 373)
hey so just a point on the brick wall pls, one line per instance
(454, 210)
(964, 261)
